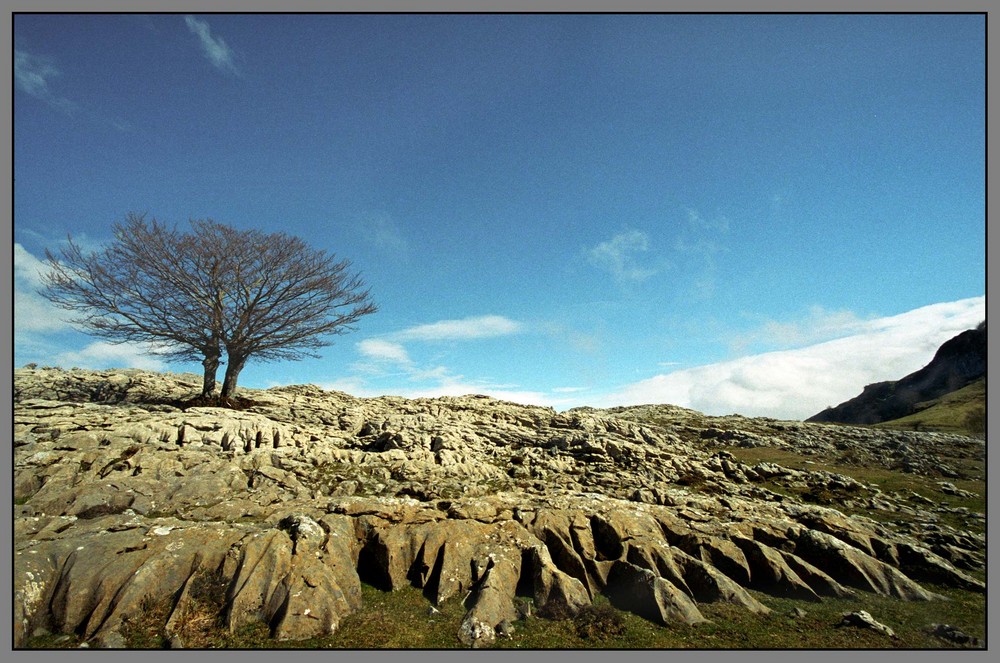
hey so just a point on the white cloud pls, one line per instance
(795, 384)
(101, 354)
(215, 48)
(37, 324)
(382, 350)
(32, 312)
(615, 256)
(701, 236)
(484, 326)
(446, 384)
(354, 386)
(699, 223)
(429, 380)
(27, 268)
(32, 73)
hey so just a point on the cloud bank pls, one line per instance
(34, 313)
(39, 326)
(796, 384)
(102, 354)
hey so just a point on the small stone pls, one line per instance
(953, 634)
(863, 619)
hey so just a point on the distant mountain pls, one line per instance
(957, 364)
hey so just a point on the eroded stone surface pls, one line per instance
(123, 497)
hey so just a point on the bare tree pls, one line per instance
(193, 295)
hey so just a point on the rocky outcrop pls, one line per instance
(124, 499)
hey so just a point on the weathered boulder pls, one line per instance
(557, 594)
(644, 593)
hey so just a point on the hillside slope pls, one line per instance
(962, 411)
(957, 363)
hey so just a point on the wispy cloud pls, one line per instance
(504, 393)
(819, 324)
(699, 223)
(484, 326)
(568, 390)
(701, 241)
(32, 73)
(439, 381)
(385, 234)
(389, 355)
(617, 257)
(215, 48)
(795, 384)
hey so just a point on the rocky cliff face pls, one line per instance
(957, 363)
(122, 497)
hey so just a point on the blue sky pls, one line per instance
(738, 213)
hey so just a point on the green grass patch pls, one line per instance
(403, 620)
(962, 411)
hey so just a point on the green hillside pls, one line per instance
(961, 411)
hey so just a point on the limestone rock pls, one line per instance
(124, 497)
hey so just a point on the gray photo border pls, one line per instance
(481, 6)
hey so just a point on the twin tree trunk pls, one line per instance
(211, 364)
(232, 375)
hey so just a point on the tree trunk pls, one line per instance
(232, 375)
(211, 364)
